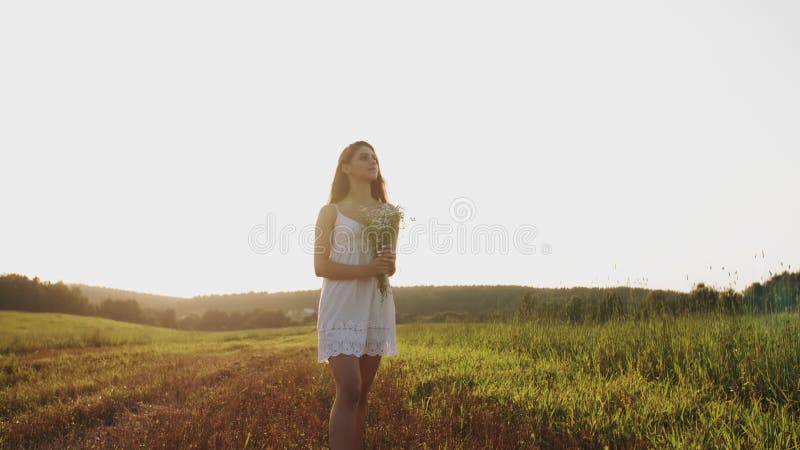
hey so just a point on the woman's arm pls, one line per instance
(323, 266)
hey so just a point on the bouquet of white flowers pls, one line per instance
(380, 227)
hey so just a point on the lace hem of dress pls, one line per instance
(356, 349)
(350, 338)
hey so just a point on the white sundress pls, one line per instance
(351, 318)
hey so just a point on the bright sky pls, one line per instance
(145, 143)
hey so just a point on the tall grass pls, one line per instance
(675, 382)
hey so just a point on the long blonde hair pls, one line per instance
(341, 184)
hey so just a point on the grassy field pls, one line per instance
(700, 382)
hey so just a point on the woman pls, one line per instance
(355, 328)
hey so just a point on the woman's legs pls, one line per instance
(368, 365)
(353, 377)
(342, 423)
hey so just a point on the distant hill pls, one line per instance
(243, 302)
(411, 301)
(97, 294)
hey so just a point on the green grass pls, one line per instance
(23, 332)
(697, 382)
(690, 382)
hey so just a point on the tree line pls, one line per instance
(429, 304)
(781, 293)
(18, 292)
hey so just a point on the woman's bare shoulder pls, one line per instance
(328, 211)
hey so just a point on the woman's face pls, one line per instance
(363, 164)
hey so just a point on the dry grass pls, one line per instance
(277, 399)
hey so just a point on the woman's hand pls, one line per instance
(384, 263)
